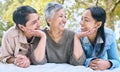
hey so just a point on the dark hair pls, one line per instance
(21, 13)
(99, 14)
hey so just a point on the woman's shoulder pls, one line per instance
(109, 32)
(69, 32)
(11, 32)
(110, 35)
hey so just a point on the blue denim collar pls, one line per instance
(86, 40)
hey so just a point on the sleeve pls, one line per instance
(6, 49)
(87, 61)
(113, 56)
(75, 62)
(34, 62)
(32, 56)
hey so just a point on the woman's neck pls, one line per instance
(56, 35)
(28, 37)
(92, 38)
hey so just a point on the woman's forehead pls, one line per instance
(32, 16)
(87, 14)
(61, 11)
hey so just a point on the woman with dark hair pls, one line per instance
(19, 41)
(99, 44)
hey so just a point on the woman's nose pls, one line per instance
(64, 20)
(81, 23)
(38, 24)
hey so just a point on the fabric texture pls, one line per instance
(51, 67)
(14, 42)
(61, 52)
(110, 51)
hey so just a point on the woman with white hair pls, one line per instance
(62, 46)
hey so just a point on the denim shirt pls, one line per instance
(110, 51)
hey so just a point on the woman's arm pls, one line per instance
(38, 55)
(9, 52)
(78, 53)
(113, 56)
(6, 55)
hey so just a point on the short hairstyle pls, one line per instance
(21, 13)
(50, 10)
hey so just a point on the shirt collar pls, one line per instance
(22, 38)
(99, 40)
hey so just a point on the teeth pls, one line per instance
(63, 24)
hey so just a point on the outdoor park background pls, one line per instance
(74, 9)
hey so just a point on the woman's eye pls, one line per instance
(34, 22)
(86, 20)
(65, 16)
(60, 16)
(81, 18)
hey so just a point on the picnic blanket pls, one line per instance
(50, 67)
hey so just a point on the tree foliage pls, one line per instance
(74, 9)
(10, 5)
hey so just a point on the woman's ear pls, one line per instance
(48, 19)
(99, 24)
(21, 27)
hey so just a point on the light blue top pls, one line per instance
(110, 51)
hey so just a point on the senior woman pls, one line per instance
(62, 46)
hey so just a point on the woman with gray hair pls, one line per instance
(62, 46)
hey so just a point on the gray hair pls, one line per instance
(50, 10)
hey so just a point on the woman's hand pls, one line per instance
(86, 33)
(38, 33)
(22, 61)
(100, 64)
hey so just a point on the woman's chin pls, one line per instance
(62, 29)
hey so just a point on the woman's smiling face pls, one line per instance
(59, 20)
(87, 21)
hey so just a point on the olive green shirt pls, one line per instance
(61, 52)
